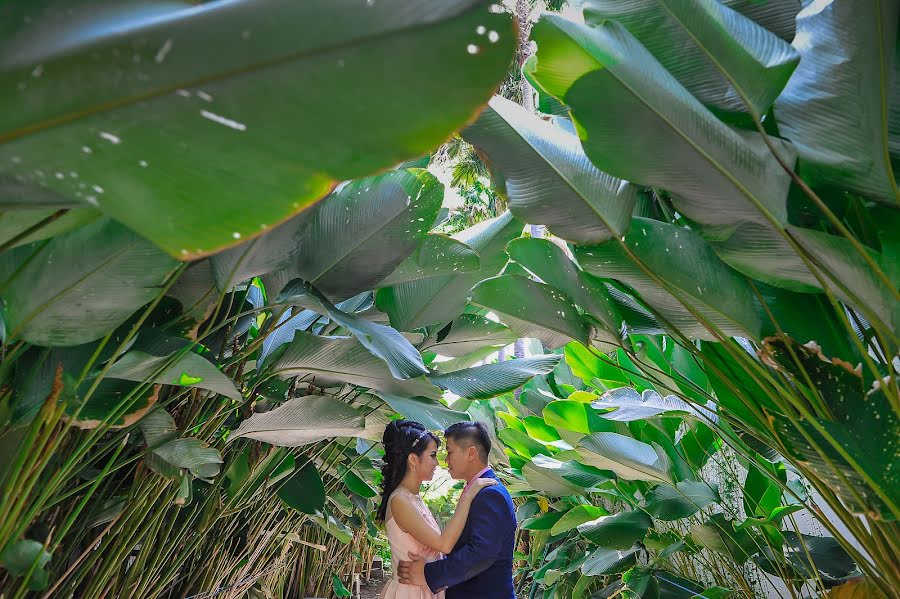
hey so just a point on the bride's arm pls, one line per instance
(410, 520)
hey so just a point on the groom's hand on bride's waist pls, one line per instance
(412, 572)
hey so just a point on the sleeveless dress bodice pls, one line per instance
(402, 544)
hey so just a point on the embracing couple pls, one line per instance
(473, 555)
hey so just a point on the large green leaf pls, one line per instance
(79, 286)
(551, 264)
(603, 561)
(575, 416)
(693, 273)
(629, 458)
(725, 59)
(686, 498)
(347, 360)
(26, 555)
(437, 255)
(718, 176)
(835, 107)
(532, 309)
(350, 240)
(547, 176)
(466, 334)
(718, 534)
(169, 456)
(18, 227)
(304, 490)
(186, 370)
(441, 299)
(619, 531)
(575, 516)
(554, 478)
(403, 360)
(303, 420)
(301, 95)
(482, 382)
(273, 250)
(196, 291)
(429, 412)
(630, 405)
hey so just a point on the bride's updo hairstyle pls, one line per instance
(401, 438)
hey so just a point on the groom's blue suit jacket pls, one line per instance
(480, 565)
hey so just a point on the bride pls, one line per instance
(410, 457)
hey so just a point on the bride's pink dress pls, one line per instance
(402, 544)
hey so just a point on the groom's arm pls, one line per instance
(480, 551)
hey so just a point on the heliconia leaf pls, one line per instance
(466, 334)
(403, 360)
(440, 299)
(482, 382)
(347, 360)
(725, 59)
(547, 176)
(629, 458)
(303, 420)
(532, 309)
(155, 92)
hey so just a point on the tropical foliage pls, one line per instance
(220, 279)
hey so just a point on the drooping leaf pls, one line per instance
(547, 176)
(575, 416)
(303, 420)
(628, 458)
(333, 526)
(358, 485)
(403, 360)
(630, 405)
(722, 57)
(603, 561)
(545, 475)
(307, 320)
(184, 370)
(532, 309)
(431, 413)
(79, 286)
(835, 107)
(441, 299)
(718, 534)
(189, 81)
(482, 382)
(686, 498)
(169, 455)
(693, 274)
(542, 521)
(619, 531)
(548, 261)
(347, 360)
(718, 176)
(469, 333)
(358, 235)
(304, 490)
(575, 516)
(18, 558)
(437, 255)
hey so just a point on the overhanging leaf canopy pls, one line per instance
(153, 94)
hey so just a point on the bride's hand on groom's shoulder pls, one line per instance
(480, 483)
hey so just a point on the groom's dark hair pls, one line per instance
(471, 433)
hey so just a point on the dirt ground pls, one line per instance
(372, 590)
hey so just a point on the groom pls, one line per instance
(480, 564)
